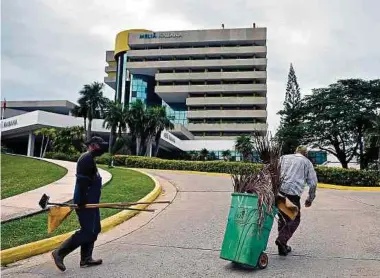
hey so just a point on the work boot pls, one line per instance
(86, 256)
(90, 262)
(282, 248)
(59, 254)
(288, 248)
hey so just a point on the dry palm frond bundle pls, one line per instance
(266, 183)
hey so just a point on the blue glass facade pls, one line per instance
(139, 88)
(178, 112)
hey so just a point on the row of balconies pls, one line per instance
(228, 114)
(183, 76)
(167, 89)
(232, 127)
(259, 51)
(259, 63)
(224, 101)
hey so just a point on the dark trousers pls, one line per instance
(89, 220)
(286, 226)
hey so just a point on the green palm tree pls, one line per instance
(244, 146)
(162, 121)
(203, 154)
(81, 111)
(48, 134)
(113, 118)
(135, 117)
(92, 102)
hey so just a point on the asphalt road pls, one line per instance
(339, 236)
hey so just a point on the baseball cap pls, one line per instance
(96, 140)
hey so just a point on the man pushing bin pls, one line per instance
(296, 171)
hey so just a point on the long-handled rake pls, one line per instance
(58, 212)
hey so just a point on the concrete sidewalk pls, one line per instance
(59, 191)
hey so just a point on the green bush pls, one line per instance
(202, 166)
(340, 176)
(118, 160)
(330, 175)
(63, 156)
(104, 159)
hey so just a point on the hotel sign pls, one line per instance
(160, 35)
(7, 124)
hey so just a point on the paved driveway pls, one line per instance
(339, 236)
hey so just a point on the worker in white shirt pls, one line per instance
(296, 171)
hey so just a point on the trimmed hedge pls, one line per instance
(63, 156)
(348, 177)
(329, 175)
(104, 159)
(202, 166)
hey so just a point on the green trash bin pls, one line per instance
(242, 243)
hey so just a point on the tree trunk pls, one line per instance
(42, 145)
(361, 153)
(47, 143)
(138, 142)
(149, 144)
(89, 129)
(157, 141)
(110, 142)
(342, 159)
(85, 125)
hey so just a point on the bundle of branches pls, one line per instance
(266, 183)
(269, 151)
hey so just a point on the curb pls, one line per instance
(21, 252)
(352, 188)
(320, 185)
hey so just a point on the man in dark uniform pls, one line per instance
(87, 191)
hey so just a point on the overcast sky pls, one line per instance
(51, 48)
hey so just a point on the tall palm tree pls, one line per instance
(113, 116)
(162, 122)
(244, 146)
(93, 102)
(48, 134)
(136, 120)
(81, 111)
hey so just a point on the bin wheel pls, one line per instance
(263, 260)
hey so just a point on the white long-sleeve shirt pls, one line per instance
(296, 172)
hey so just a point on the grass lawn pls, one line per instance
(126, 185)
(21, 174)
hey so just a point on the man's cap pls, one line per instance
(96, 140)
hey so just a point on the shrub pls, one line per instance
(63, 156)
(202, 166)
(340, 176)
(118, 160)
(104, 159)
(330, 175)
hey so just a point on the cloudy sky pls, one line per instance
(50, 48)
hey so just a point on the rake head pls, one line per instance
(44, 201)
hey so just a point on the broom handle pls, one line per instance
(101, 205)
